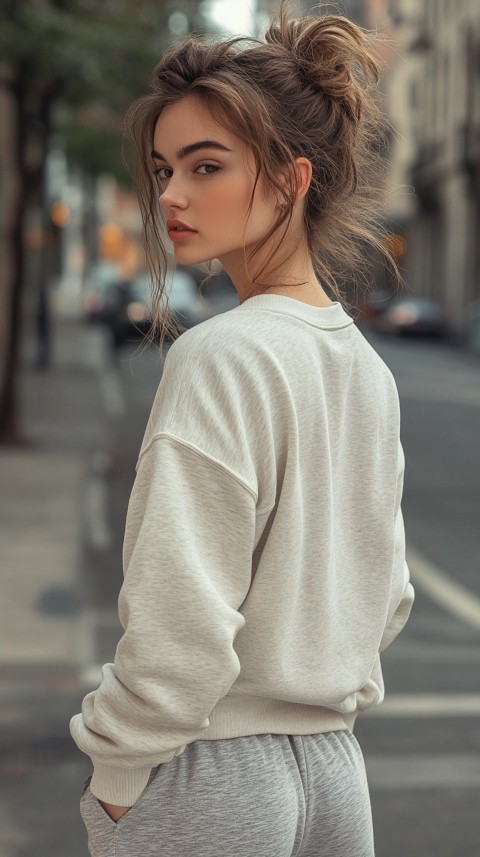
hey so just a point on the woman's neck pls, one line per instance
(295, 278)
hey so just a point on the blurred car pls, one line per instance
(99, 291)
(412, 316)
(131, 318)
(374, 303)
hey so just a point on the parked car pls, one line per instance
(412, 316)
(99, 291)
(131, 317)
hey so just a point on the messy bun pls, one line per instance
(332, 56)
(308, 90)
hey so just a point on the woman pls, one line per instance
(264, 552)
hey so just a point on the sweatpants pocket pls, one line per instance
(100, 827)
(105, 835)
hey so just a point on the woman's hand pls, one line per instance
(115, 812)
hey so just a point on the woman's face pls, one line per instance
(209, 189)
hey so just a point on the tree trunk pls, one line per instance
(29, 182)
(38, 186)
(10, 432)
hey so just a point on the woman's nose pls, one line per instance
(172, 196)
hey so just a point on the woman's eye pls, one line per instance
(213, 167)
(158, 173)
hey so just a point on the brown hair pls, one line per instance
(308, 90)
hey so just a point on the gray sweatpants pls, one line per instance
(255, 796)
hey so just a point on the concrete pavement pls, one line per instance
(43, 648)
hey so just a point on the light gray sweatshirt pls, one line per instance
(264, 549)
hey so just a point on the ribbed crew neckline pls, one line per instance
(326, 316)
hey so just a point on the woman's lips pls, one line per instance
(181, 234)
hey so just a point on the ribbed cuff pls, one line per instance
(120, 786)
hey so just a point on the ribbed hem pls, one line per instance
(233, 717)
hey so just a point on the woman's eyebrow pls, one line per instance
(193, 147)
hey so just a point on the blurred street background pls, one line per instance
(76, 387)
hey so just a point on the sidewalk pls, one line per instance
(43, 647)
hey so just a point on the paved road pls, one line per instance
(422, 747)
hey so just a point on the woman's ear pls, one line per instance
(303, 169)
(304, 176)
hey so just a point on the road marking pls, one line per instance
(437, 585)
(445, 771)
(427, 705)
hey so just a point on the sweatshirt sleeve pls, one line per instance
(188, 548)
(401, 593)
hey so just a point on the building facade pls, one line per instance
(434, 96)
